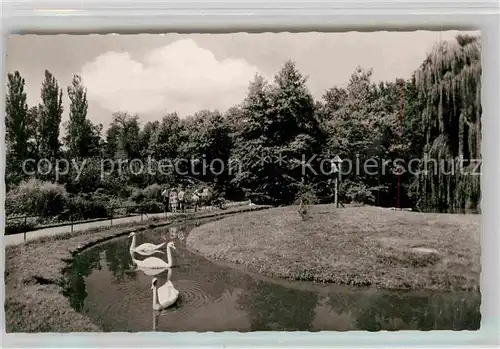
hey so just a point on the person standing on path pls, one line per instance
(173, 200)
(195, 200)
(165, 194)
(180, 197)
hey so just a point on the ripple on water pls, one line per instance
(128, 299)
(191, 296)
(136, 300)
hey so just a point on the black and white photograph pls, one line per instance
(274, 181)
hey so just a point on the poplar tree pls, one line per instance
(50, 117)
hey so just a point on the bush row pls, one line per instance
(17, 226)
(52, 203)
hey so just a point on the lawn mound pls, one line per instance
(353, 245)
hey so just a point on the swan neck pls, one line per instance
(169, 256)
(132, 256)
(133, 243)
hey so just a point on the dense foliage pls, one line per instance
(272, 148)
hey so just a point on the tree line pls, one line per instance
(434, 114)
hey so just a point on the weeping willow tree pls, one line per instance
(449, 82)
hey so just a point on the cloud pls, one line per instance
(180, 77)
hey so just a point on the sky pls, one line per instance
(152, 75)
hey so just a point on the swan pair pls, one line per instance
(154, 262)
(165, 295)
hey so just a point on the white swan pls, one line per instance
(145, 249)
(154, 262)
(165, 295)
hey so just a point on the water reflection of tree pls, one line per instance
(81, 267)
(119, 261)
(214, 280)
(345, 305)
(219, 281)
(342, 302)
(406, 311)
(273, 307)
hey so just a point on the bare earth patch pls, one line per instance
(353, 245)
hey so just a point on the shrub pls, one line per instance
(129, 209)
(85, 181)
(151, 206)
(306, 195)
(80, 208)
(114, 185)
(17, 226)
(121, 207)
(101, 196)
(359, 193)
(137, 196)
(219, 202)
(35, 197)
(152, 192)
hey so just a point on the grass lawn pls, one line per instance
(353, 245)
(35, 280)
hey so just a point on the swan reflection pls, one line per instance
(180, 235)
(172, 232)
(176, 233)
(155, 320)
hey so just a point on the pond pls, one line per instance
(103, 284)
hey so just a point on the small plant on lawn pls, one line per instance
(306, 197)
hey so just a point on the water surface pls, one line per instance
(104, 285)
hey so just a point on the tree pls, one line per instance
(280, 132)
(166, 138)
(35, 114)
(16, 110)
(82, 137)
(295, 109)
(235, 119)
(125, 128)
(111, 142)
(449, 82)
(19, 126)
(206, 146)
(146, 137)
(50, 112)
(249, 149)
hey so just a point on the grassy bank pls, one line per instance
(34, 275)
(353, 245)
